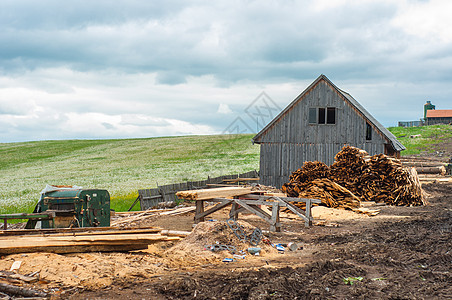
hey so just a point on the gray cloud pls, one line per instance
(177, 60)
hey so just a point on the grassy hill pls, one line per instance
(426, 138)
(120, 166)
(124, 166)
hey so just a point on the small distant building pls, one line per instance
(315, 126)
(428, 106)
(438, 116)
(434, 116)
(410, 123)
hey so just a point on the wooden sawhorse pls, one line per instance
(251, 203)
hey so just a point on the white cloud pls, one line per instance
(429, 20)
(224, 109)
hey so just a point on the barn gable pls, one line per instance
(315, 126)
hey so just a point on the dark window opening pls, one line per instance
(312, 115)
(368, 132)
(321, 115)
(331, 115)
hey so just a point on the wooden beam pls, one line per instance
(205, 194)
(290, 199)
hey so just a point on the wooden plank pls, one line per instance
(52, 230)
(291, 199)
(109, 232)
(67, 244)
(205, 194)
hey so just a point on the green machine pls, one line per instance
(73, 207)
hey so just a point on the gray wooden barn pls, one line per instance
(315, 126)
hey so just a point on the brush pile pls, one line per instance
(387, 181)
(355, 176)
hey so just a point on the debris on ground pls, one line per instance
(196, 248)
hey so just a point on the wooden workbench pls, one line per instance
(252, 203)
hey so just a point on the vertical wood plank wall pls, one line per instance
(292, 140)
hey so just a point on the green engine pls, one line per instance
(73, 207)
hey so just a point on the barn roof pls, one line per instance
(348, 98)
(440, 113)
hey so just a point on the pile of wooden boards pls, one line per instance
(356, 176)
(71, 240)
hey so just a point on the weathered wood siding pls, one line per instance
(292, 140)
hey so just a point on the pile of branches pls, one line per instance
(302, 178)
(356, 176)
(330, 193)
(387, 181)
(350, 163)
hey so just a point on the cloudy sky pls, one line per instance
(119, 69)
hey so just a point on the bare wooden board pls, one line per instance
(205, 194)
(88, 242)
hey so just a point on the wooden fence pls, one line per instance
(167, 193)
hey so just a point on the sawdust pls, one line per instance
(192, 251)
(90, 270)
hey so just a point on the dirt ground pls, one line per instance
(402, 253)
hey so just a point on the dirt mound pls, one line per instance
(192, 250)
(90, 270)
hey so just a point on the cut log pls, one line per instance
(431, 170)
(206, 194)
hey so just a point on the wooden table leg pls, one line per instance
(234, 213)
(308, 222)
(276, 225)
(199, 210)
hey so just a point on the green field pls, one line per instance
(429, 136)
(120, 166)
(126, 165)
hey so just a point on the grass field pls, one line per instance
(124, 166)
(429, 135)
(120, 166)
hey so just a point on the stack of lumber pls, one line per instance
(385, 180)
(67, 241)
(302, 178)
(206, 194)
